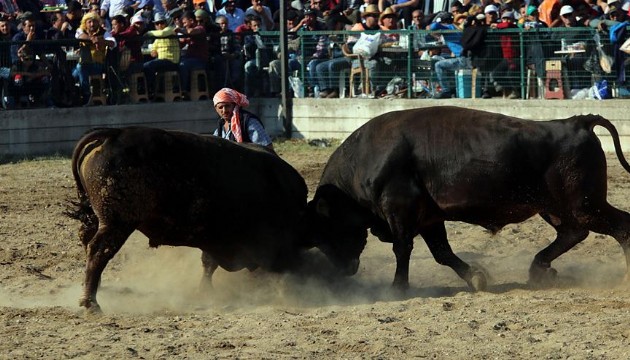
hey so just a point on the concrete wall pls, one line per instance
(55, 131)
(337, 118)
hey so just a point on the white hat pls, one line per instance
(625, 6)
(507, 14)
(566, 9)
(491, 8)
(137, 18)
(609, 2)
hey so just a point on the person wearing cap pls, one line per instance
(93, 49)
(532, 21)
(388, 21)
(402, 8)
(445, 68)
(235, 123)
(492, 14)
(164, 51)
(263, 12)
(235, 15)
(614, 16)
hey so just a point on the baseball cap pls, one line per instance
(566, 9)
(490, 9)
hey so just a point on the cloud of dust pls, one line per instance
(141, 280)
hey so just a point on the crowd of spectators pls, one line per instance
(222, 37)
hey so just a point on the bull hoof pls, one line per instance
(478, 281)
(91, 306)
(400, 286)
(540, 277)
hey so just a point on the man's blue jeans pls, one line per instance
(82, 73)
(445, 71)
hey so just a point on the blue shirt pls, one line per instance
(453, 40)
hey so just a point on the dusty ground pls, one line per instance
(152, 311)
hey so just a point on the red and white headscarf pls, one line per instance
(227, 95)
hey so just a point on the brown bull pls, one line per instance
(241, 205)
(405, 173)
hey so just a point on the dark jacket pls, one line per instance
(246, 117)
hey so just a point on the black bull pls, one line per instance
(241, 205)
(405, 173)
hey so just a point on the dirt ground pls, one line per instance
(152, 309)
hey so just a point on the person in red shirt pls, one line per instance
(195, 52)
(503, 74)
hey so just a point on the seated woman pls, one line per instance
(29, 81)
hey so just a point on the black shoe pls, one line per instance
(444, 95)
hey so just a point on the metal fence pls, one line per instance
(516, 63)
(537, 63)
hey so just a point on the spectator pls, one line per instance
(172, 13)
(492, 15)
(263, 12)
(316, 46)
(403, 9)
(236, 124)
(227, 60)
(549, 12)
(111, 8)
(128, 38)
(444, 69)
(293, 50)
(93, 49)
(328, 72)
(73, 18)
(197, 53)
(235, 16)
(29, 32)
(165, 50)
(503, 75)
(31, 80)
(146, 9)
(5, 30)
(254, 55)
(58, 25)
(574, 62)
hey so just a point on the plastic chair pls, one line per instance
(199, 85)
(98, 90)
(168, 87)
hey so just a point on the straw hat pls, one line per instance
(387, 12)
(371, 9)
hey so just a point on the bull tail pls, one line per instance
(598, 120)
(81, 209)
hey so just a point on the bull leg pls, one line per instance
(540, 271)
(402, 250)
(616, 223)
(102, 248)
(436, 239)
(209, 267)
